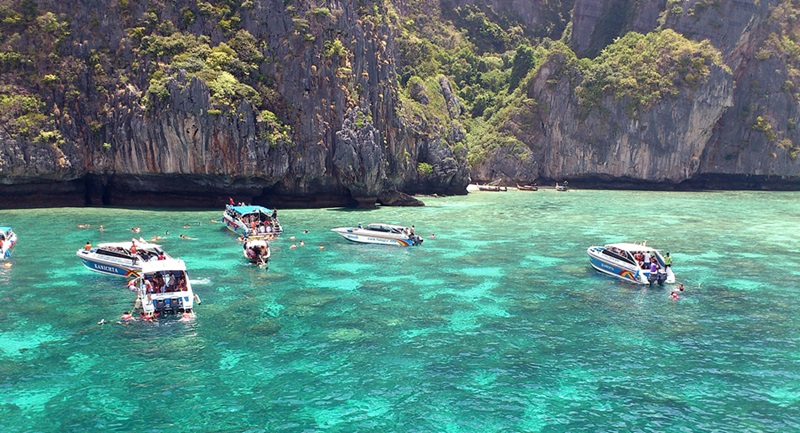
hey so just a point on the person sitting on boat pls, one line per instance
(158, 281)
(148, 285)
(86, 247)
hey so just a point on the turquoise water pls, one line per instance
(498, 324)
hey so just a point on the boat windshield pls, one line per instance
(619, 254)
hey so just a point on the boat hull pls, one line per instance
(625, 271)
(358, 236)
(109, 266)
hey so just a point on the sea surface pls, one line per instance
(498, 324)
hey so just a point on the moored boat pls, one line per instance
(628, 261)
(121, 259)
(493, 188)
(251, 219)
(527, 187)
(163, 288)
(256, 250)
(8, 239)
(382, 234)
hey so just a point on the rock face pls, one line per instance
(662, 145)
(329, 126)
(346, 144)
(737, 130)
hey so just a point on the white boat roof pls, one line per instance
(163, 265)
(126, 245)
(628, 246)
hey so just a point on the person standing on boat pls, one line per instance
(647, 258)
(667, 261)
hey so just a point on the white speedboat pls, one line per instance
(121, 259)
(256, 250)
(622, 260)
(163, 287)
(251, 220)
(382, 234)
(8, 239)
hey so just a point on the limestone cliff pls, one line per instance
(317, 123)
(736, 130)
(299, 103)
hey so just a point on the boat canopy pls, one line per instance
(163, 265)
(626, 246)
(248, 209)
(389, 228)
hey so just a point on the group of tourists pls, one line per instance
(166, 282)
(645, 260)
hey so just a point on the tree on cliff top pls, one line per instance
(643, 69)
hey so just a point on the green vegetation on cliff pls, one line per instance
(643, 69)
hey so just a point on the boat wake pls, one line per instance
(200, 281)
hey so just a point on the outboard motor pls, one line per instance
(662, 277)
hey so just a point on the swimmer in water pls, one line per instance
(126, 317)
(187, 316)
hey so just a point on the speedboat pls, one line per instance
(7, 241)
(621, 260)
(562, 187)
(121, 259)
(251, 219)
(379, 233)
(163, 288)
(256, 250)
